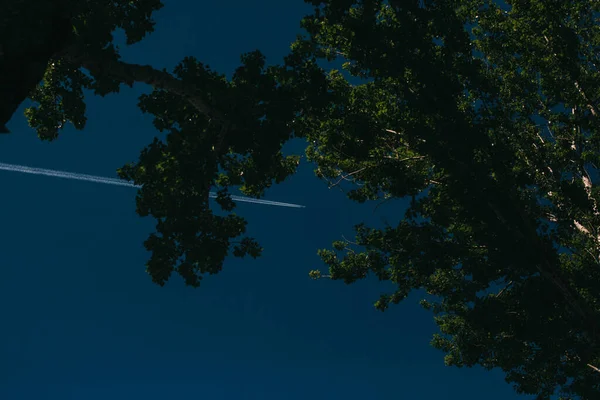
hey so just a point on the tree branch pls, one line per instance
(589, 105)
(344, 177)
(594, 368)
(404, 159)
(504, 288)
(129, 73)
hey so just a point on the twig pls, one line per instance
(344, 177)
(405, 159)
(349, 241)
(594, 368)
(503, 289)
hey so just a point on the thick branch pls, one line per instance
(129, 73)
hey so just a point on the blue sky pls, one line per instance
(82, 319)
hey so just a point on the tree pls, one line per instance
(220, 133)
(484, 117)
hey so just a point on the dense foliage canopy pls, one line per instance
(484, 116)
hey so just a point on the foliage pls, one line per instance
(35, 35)
(220, 133)
(484, 118)
(199, 155)
(501, 229)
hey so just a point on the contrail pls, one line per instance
(119, 182)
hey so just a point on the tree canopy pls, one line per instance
(484, 116)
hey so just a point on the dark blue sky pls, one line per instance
(82, 320)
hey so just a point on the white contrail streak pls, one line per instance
(119, 182)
